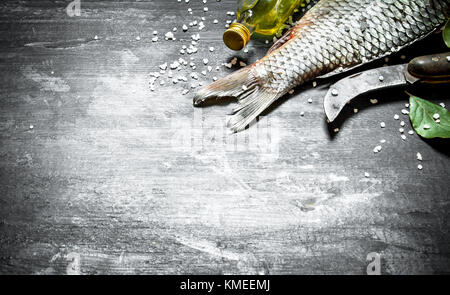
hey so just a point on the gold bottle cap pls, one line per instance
(236, 36)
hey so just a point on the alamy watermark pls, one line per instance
(374, 266)
(200, 135)
(74, 8)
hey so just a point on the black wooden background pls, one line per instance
(101, 175)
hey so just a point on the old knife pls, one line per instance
(425, 69)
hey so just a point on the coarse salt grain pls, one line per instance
(377, 149)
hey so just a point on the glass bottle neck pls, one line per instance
(244, 19)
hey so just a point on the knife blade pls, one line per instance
(427, 69)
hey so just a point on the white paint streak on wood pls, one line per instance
(209, 248)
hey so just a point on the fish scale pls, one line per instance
(335, 35)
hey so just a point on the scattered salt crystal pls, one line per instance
(355, 110)
(377, 149)
(214, 78)
(163, 66)
(374, 101)
(174, 65)
(382, 124)
(419, 156)
(302, 114)
(334, 92)
(410, 132)
(403, 136)
(246, 50)
(336, 130)
(169, 36)
(209, 68)
(309, 100)
(155, 32)
(381, 78)
(406, 105)
(436, 116)
(215, 21)
(402, 123)
(314, 84)
(401, 130)
(31, 126)
(442, 104)
(244, 87)
(185, 91)
(405, 112)
(205, 9)
(383, 141)
(205, 61)
(366, 174)
(211, 49)
(396, 117)
(155, 39)
(426, 126)
(185, 28)
(95, 37)
(420, 167)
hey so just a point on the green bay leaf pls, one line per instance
(421, 113)
(446, 33)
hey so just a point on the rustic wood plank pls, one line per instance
(114, 178)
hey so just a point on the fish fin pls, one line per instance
(251, 104)
(230, 86)
(253, 98)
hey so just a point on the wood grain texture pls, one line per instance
(116, 179)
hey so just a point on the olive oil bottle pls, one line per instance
(264, 17)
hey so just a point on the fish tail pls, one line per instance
(253, 98)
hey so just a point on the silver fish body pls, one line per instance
(334, 35)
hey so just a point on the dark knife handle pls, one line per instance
(434, 68)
